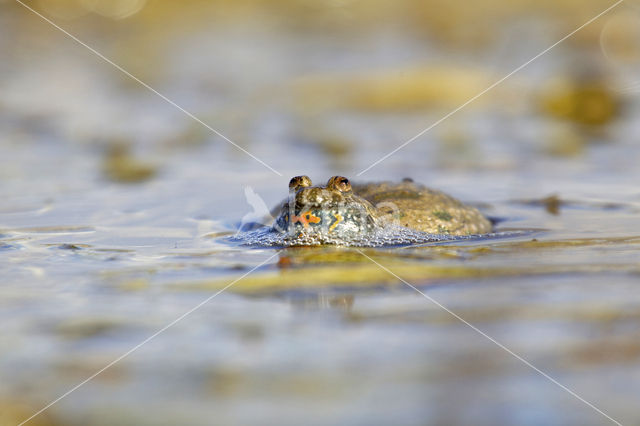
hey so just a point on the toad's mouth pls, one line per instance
(340, 220)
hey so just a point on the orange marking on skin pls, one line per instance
(305, 219)
(338, 220)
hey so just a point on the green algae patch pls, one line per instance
(442, 215)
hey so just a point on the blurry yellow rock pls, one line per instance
(403, 89)
(81, 328)
(62, 9)
(121, 166)
(460, 24)
(584, 101)
(115, 9)
(13, 412)
(136, 284)
(335, 146)
(226, 381)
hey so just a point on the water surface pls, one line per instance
(115, 206)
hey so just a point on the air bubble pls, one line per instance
(389, 236)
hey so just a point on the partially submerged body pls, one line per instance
(423, 209)
(370, 214)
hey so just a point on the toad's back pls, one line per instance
(418, 207)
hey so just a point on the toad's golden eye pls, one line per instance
(339, 183)
(298, 182)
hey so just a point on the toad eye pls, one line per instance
(339, 183)
(298, 182)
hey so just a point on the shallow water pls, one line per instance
(100, 247)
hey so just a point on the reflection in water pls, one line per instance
(319, 300)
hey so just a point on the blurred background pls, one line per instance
(113, 197)
(322, 87)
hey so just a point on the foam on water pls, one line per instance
(388, 236)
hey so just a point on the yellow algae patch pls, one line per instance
(577, 242)
(400, 89)
(360, 275)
